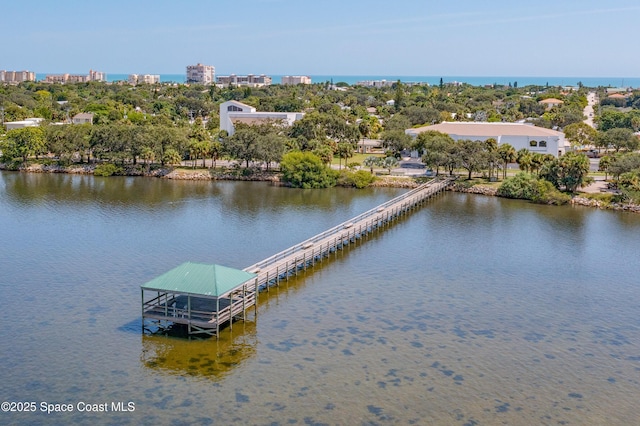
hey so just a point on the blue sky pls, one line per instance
(586, 38)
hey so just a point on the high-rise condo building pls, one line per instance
(16, 76)
(203, 74)
(295, 79)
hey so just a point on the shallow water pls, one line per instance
(472, 310)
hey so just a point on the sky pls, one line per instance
(586, 38)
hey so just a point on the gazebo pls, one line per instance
(202, 297)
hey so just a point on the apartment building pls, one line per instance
(15, 77)
(376, 83)
(248, 80)
(295, 79)
(76, 78)
(134, 79)
(203, 74)
(97, 76)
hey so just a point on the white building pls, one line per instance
(134, 79)
(233, 112)
(518, 135)
(375, 83)
(295, 79)
(27, 122)
(248, 80)
(203, 74)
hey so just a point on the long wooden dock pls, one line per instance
(287, 262)
(205, 311)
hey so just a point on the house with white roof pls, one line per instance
(233, 112)
(27, 122)
(518, 135)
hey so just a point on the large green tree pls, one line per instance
(306, 170)
(619, 139)
(470, 155)
(395, 141)
(580, 134)
(25, 142)
(243, 144)
(624, 163)
(573, 170)
(271, 148)
(436, 146)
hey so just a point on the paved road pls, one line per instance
(588, 110)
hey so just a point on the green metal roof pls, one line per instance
(200, 279)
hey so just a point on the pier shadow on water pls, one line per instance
(202, 357)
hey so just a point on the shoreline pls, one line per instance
(408, 182)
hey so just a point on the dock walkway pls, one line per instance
(272, 269)
(205, 312)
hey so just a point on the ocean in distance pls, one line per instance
(432, 80)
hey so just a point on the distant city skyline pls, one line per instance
(284, 37)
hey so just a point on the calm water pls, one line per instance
(471, 311)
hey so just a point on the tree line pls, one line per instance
(166, 124)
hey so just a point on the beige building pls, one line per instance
(295, 79)
(617, 96)
(83, 118)
(203, 74)
(15, 77)
(76, 78)
(518, 135)
(97, 76)
(551, 102)
(248, 80)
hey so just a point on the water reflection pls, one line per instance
(207, 357)
(125, 192)
(472, 310)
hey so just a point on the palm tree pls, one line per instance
(215, 150)
(172, 157)
(491, 156)
(604, 164)
(371, 161)
(508, 155)
(345, 150)
(574, 168)
(148, 156)
(537, 160)
(524, 159)
(389, 163)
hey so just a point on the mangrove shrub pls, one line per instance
(306, 170)
(526, 186)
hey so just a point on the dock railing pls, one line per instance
(271, 270)
(381, 212)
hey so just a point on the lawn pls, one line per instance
(357, 158)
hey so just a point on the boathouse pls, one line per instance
(200, 296)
